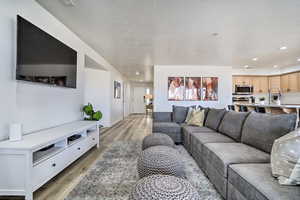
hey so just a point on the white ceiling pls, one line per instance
(134, 35)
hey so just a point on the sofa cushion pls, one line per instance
(172, 129)
(206, 110)
(254, 181)
(214, 118)
(195, 129)
(162, 116)
(166, 127)
(187, 130)
(179, 114)
(232, 124)
(221, 155)
(261, 130)
(198, 139)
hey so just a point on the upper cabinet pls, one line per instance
(260, 84)
(274, 84)
(290, 82)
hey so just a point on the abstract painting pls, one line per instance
(175, 88)
(210, 89)
(192, 88)
(117, 90)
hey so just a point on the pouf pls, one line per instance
(158, 187)
(160, 160)
(157, 139)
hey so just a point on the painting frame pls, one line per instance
(210, 89)
(176, 88)
(117, 90)
(193, 86)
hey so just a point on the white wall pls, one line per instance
(97, 92)
(161, 74)
(39, 106)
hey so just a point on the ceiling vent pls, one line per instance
(69, 2)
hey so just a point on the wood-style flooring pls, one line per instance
(134, 127)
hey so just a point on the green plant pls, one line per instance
(90, 113)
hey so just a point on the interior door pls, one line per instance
(138, 100)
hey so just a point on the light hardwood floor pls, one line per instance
(134, 127)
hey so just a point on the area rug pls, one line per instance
(114, 174)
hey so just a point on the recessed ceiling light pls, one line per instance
(137, 73)
(275, 66)
(298, 59)
(246, 66)
(254, 59)
(141, 80)
(283, 48)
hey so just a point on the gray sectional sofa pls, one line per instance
(233, 150)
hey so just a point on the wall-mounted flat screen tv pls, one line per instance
(42, 58)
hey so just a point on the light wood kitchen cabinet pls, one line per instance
(260, 84)
(242, 80)
(293, 82)
(274, 84)
(290, 82)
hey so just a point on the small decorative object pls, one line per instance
(91, 114)
(160, 160)
(285, 159)
(262, 100)
(117, 90)
(157, 139)
(15, 132)
(159, 187)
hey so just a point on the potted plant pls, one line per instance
(90, 114)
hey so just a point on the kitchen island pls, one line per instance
(270, 108)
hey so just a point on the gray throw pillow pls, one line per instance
(232, 124)
(179, 114)
(261, 130)
(214, 118)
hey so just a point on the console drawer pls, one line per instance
(45, 170)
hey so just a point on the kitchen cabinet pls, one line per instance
(293, 82)
(290, 82)
(260, 84)
(274, 84)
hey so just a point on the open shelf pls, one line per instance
(40, 156)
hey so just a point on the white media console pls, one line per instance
(28, 164)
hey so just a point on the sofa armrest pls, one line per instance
(162, 116)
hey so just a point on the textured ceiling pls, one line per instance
(134, 35)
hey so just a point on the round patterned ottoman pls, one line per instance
(158, 187)
(157, 139)
(160, 160)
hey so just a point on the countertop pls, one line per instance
(269, 105)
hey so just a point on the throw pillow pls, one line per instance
(189, 115)
(285, 159)
(197, 118)
(190, 112)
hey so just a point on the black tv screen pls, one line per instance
(42, 58)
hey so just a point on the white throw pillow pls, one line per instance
(197, 118)
(285, 159)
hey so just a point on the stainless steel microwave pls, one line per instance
(243, 89)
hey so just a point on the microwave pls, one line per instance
(243, 89)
